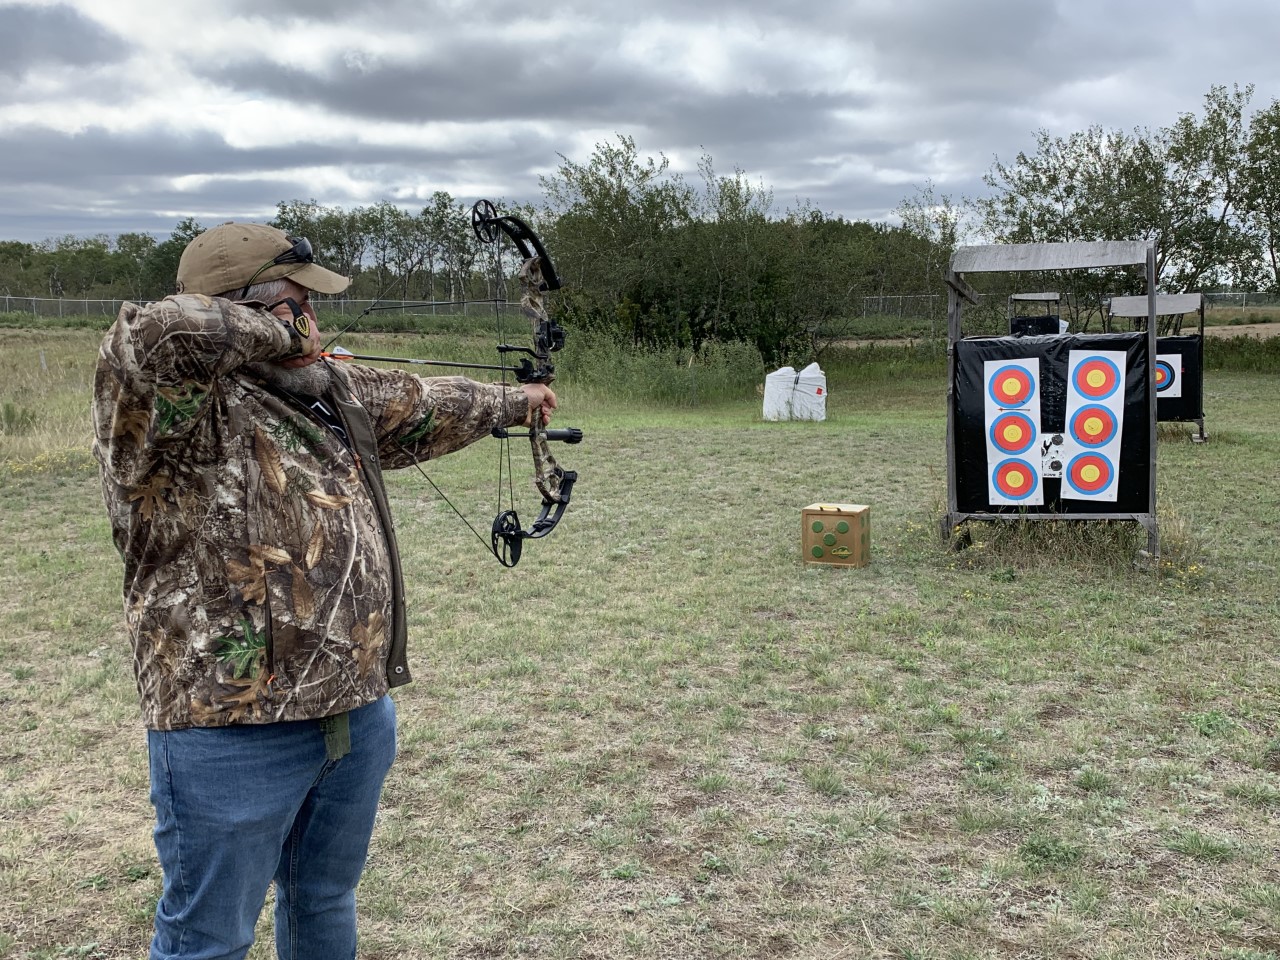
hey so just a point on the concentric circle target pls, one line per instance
(1011, 386)
(1013, 433)
(1096, 378)
(1016, 479)
(1164, 375)
(1090, 473)
(1093, 425)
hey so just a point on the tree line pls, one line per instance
(663, 260)
(1205, 189)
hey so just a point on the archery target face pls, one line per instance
(1016, 479)
(1090, 473)
(1011, 386)
(1012, 432)
(1169, 375)
(1093, 426)
(1095, 422)
(1011, 415)
(1096, 377)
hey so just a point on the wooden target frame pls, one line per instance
(1088, 467)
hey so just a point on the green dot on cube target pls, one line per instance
(842, 527)
(817, 526)
(818, 552)
(829, 539)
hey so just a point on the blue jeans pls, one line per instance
(240, 806)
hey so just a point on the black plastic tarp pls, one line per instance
(1189, 406)
(970, 453)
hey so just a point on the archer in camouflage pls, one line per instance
(242, 474)
(262, 581)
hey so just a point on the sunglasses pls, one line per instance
(300, 252)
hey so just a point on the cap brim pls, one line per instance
(317, 278)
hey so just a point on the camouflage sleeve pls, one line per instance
(193, 338)
(421, 418)
(157, 367)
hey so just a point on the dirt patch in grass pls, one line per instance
(1262, 331)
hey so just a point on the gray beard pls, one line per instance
(312, 380)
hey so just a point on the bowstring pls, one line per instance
(386, 287)
(504, 446)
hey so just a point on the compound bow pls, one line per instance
(537, 275)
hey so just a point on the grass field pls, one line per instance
(663, 736)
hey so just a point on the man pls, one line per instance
(262, 591)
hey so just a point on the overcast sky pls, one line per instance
(129, 115)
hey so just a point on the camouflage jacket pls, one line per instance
(261, 576)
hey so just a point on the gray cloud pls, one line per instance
(436, 90)
(32, 36)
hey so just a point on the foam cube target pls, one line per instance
(836, 533)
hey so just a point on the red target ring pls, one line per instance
(1013, 433)
(1093, 425)
(1096, 378)
(1164, 375)
(1011, 386)
(1090, 473)
(1016, 479)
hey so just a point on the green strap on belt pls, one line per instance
(337, 735)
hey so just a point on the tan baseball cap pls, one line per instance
(231, 255)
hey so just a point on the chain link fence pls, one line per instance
(1242, 299)
(924, 306)
(53, 307)
(64, 307)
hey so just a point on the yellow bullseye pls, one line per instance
(1090, 473)
(1015, 479)
(1095, 378)
(1093, 427)
(1010, 387)
(1013, 433)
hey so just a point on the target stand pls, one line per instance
(1024, 324)
(1179, 370)
(1059, 426)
